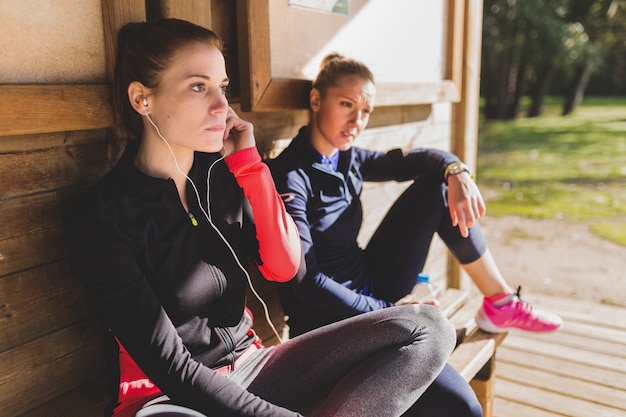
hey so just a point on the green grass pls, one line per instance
(571, 168)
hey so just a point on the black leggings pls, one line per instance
(372, 365)
(395, 255)
(397, 250)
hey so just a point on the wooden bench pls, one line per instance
(475, 355)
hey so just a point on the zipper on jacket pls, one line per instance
(225, 336)
(336, 174)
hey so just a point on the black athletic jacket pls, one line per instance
(171, 292)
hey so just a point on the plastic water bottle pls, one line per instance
(424, 290)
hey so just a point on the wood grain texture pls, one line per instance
(26, 109)
(198, 12)
(53, 365)
(86, 401)
(253, 36)
(578, 371)
(38, 301)
(115, 14)
(52, 168)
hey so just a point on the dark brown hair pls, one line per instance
(336, 66)
(144, 51)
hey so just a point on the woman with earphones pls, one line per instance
(161, 244)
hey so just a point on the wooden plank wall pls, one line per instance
(55, 141)
(49, 339)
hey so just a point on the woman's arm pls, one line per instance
(400, 165)
(465, 201)
(279, 244)
(317, 288)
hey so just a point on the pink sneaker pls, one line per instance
(515, 315)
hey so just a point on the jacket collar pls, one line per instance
(302, 143)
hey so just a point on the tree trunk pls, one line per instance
(517, 91)
(496, 71)
(544, 81)
(576, 92)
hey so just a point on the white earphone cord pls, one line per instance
(208, 217)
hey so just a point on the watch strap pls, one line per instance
(455, 168)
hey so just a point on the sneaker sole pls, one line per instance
(484, 324)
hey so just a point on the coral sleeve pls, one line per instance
(279, 243)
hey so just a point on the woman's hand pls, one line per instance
(465, 202)
(412, 299)
(239, 134)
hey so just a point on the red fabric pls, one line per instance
(135, 387)
(279, 242)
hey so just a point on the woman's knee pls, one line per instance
(434, 324)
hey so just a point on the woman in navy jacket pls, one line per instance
(320, 176)
(162, 241)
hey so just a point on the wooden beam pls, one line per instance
(483, 386)
(454, 41)
(465, 126)
(26, 109)
(198, 12)
(398, 94)
(115, 14)
(253, 33)
(464, 141)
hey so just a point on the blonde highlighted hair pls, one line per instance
(336, 66)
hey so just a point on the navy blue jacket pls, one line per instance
(327, 210)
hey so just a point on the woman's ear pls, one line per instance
(314, 99)
(138, 97)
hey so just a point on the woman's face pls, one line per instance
(341, 114)
(189, 105)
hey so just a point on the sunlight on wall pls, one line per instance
(400, 40)
(52, 41)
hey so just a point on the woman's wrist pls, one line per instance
(455, 168)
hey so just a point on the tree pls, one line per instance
(522, 48)
(595, 23)
(529, 43)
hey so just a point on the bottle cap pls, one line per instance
(421, 277)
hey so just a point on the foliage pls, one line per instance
(571, 168)
(529, 43)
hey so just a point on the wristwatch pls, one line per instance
(455, 168)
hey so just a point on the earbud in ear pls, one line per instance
(144, 102)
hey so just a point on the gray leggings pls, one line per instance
(375, 364)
